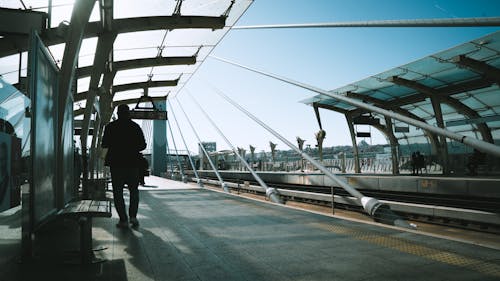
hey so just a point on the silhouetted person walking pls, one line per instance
(124, 140)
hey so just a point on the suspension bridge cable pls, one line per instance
(471, 141)
(371, 205)
(198, 180)
(177, 153)
(448, 22)
(222, 183)
(272, 193)
(348, 188)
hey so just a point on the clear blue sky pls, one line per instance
(326, 58)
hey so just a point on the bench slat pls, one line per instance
(90, 208)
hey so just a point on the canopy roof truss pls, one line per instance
(457, 88)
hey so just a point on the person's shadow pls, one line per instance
(153, 256)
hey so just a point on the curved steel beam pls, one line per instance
(74, 36)
(452, 102)
(386, 130)
(478, 66)
(132, 86)
(147, 84)
(103, 50)
(394, 145)
(115, 103)
(134, 101)
(12, 44)
(388, 105)
(139, 63)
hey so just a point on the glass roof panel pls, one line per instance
(418, 111)
(214, 8)
(397, 91)
(472, 102)
(125, 53)
(139, 39)
(83, 85)
(491, 98)
(133, 8)
(432, 82)
(79, 104)
(87, 52)
(381, 95)
(450, 76)
(194, 37)
(446, 109)
(9, 66)
(494, 62)
(132, 94)
(466, 48)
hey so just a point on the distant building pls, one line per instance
(209, 146)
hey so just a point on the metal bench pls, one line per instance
(83, 211)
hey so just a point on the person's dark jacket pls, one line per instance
(124, 140)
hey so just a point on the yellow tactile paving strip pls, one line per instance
(410, 247)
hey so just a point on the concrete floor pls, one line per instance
(188, 233)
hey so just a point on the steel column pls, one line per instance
(355, 151)
(394, 145)
(73, 38)
(159, 152)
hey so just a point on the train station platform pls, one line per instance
(189, 233)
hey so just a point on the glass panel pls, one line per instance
(79, 104)
(9, 68)
(141, 39)
(446, 109)
(83, 85)
(489, 98)
(132, 8)
(455, 75)
(12, 105)
(125, 53)
(133, 94)
(87, 52)
(57, 52)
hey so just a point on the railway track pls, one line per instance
(459, 202)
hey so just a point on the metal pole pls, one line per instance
(371, 205)
(333, 200)
(449, 22)
(271, 193)
(185, 145)
(222, 183)
(49, 15)
(177, 154)
(478, 144)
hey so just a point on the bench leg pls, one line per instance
(86, 240)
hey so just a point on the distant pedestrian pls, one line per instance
(144, 169)
(124, 140)
(413, 163)
(420, 162)
(474, 160)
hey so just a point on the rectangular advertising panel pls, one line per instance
(43, 88)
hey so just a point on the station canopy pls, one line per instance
(153, 52)
(463, 80)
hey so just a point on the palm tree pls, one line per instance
(320, 136)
